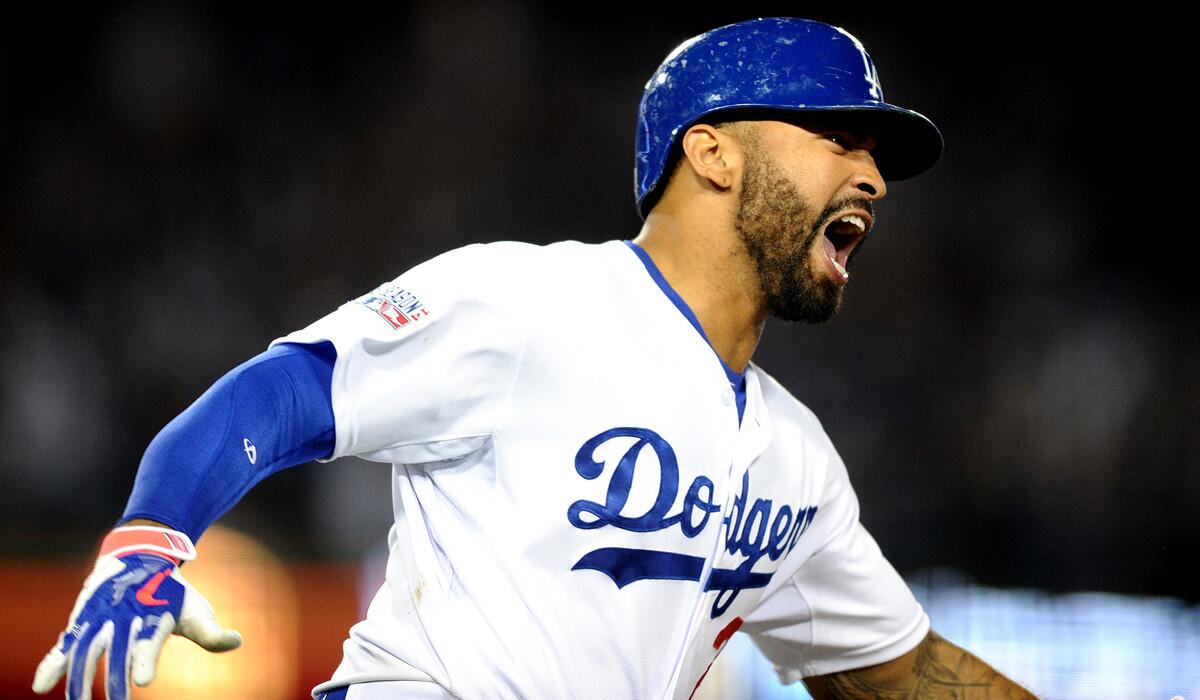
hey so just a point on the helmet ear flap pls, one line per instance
(770, 68)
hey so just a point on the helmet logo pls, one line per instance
(871, 75)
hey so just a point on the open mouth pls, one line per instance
(842, 236)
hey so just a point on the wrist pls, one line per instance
(148, 539)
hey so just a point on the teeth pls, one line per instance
(838, 265)
(855, 220)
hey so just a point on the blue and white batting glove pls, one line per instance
(131, 602)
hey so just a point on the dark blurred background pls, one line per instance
(1013, 381)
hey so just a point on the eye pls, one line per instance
(840, 139)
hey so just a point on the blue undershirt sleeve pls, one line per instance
(272, 412)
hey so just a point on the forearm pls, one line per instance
(270, 413)
(936, 668)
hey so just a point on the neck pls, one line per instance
(708, 267)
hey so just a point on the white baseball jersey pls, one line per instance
(579, 511)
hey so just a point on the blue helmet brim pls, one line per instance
(908, 143)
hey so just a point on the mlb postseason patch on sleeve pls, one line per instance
(399, 307)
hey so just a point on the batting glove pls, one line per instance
(132, 600)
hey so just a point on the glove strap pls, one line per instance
(171, 544)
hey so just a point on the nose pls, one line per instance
(867, 178)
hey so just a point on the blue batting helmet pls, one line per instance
(773, 64)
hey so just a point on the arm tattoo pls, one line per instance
(941, 671)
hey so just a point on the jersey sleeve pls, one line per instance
(426, 362)
(845, 607)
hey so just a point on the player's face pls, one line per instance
(804, 206)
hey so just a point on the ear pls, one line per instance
(712, 154)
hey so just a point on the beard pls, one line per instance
(778, 230)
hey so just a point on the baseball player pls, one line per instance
(594, 487)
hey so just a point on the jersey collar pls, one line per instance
(737, 380)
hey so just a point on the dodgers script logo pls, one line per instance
(750, 529)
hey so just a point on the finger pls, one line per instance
(81, 666)
(83, 637)
(58, 662)
(198, 622)
(54, 664)
(209, 633)
(52, 667)
(117, 683)
(147, 647)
